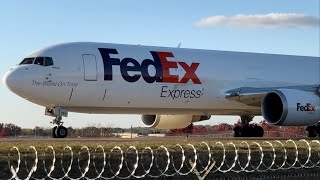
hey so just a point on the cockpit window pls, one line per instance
(42, 61)
(48, 61)
(39, 61)
(27, 61)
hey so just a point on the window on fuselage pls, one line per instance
(27, 61)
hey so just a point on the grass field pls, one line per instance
(301, 152)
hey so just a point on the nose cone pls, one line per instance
(13, 80)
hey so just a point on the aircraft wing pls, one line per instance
(253, 96)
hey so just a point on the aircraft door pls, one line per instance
(90, 67)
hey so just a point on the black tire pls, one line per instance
(258, 131)
(312, 131)
(318, 130)
(61, 132)
(237, 131)
(247, 131)
(54, 132)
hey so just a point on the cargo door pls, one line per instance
(90, 67)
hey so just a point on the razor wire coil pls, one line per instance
(154, 162)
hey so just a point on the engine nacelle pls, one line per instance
(290, 107)
(171, 121)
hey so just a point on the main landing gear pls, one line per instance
(313, 131)
(247, 130)
(58, 131)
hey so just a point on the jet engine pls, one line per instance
(171, 121)
(290, 107)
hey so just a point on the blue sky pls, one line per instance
(28, 25)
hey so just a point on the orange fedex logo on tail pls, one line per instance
(137, 70)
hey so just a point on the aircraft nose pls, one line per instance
(13, 80)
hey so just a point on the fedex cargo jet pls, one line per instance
(170, 87)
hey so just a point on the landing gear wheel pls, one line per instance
(312, 131)
(61, 132)
(258, 131)
(318, 130)
(54, 132)
(237, 131)
(247, 131)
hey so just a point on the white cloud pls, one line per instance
(272, 20)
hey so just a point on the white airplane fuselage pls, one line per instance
(133, 79)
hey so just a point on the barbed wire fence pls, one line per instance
(199, 161)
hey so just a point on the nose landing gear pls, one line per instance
(58, 131)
